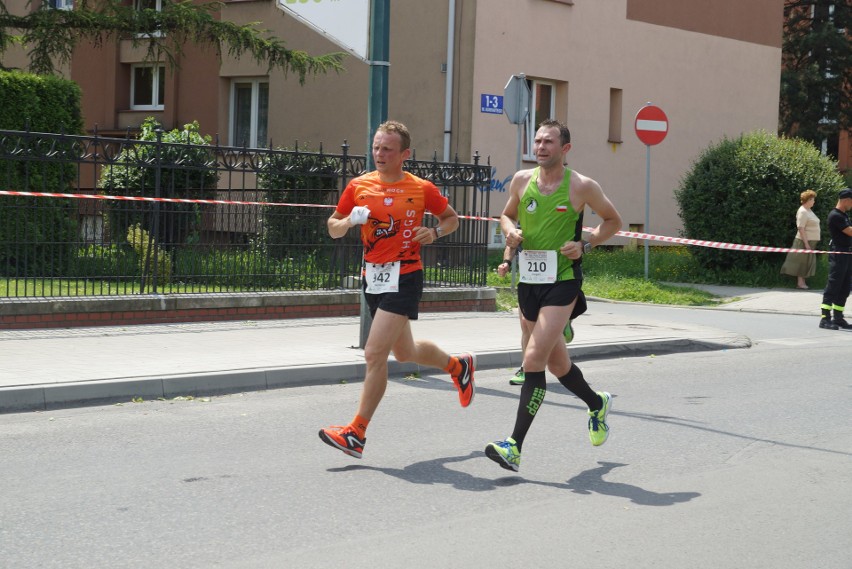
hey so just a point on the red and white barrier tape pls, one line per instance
(631, 234)
(147, 199)
(712, 244)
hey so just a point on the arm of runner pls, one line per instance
(509, 217)
(592, 195)
(448, 221)
(338, 225)
(508, 255)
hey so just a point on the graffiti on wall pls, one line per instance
(498, 185)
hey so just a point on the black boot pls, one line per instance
(826, 323)
(840, 322)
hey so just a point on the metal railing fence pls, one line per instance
(62, 246)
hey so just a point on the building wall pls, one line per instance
(755, 21)
(710, 87)
(714, 68)
(334, 107)
(103, 74)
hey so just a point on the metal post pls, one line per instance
(514, 268)
(153, 236)
(378, 106)
(647, 201)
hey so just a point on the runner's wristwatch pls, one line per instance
(587, 247)
(438, 232)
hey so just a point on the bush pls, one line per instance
(283, 179)
(187, 170)
(227, 268)
(37, 234)
(747, 191)
(153, 260)
(247, 268)
(99, 261)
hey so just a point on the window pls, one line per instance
(61, 4)
(542, 106)
(615, 98)
(149, 5)
(249, 113)
(147, 87)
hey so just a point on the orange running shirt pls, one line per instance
(395, 210)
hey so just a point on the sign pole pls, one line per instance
(516, 98)
(377, 112)
(652, 126)
(647, 202)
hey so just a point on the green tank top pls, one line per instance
(549, 221)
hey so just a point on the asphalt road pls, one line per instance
(738, 458)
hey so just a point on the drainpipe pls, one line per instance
(451, 56)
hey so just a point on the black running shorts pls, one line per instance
(405, 302)
(531, 297)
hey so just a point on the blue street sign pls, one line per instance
(491, 104)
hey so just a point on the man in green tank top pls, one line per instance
(548, 202)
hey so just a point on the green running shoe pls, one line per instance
(518, 378)
(568, 332)
(598, 429)
(505, 453)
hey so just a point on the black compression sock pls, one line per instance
(576, 384)
(532, 397)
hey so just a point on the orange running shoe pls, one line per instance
(343, 438)
(464, 380)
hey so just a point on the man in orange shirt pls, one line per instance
(389, 205)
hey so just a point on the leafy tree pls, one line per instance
(50, 35)
(747, 191)
(816, 78)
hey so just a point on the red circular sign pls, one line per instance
(651, 125)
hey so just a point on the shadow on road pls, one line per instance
(591, 481)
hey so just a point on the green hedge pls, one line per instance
(747, 191)
(106, 262)
(39, 103)
(36, 234)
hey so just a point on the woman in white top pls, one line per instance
(803, 265)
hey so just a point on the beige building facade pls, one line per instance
(714, 68)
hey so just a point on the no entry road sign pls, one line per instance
(651, 124)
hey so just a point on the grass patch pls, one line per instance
(634, 289)
(48, 287)
(507, 299)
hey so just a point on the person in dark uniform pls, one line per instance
(839, 264)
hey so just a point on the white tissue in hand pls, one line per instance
(359, 215)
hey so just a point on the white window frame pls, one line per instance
(254, 117)
(531, 125)
(62, 4)
(155, 87)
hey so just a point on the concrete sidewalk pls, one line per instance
(54, 368)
